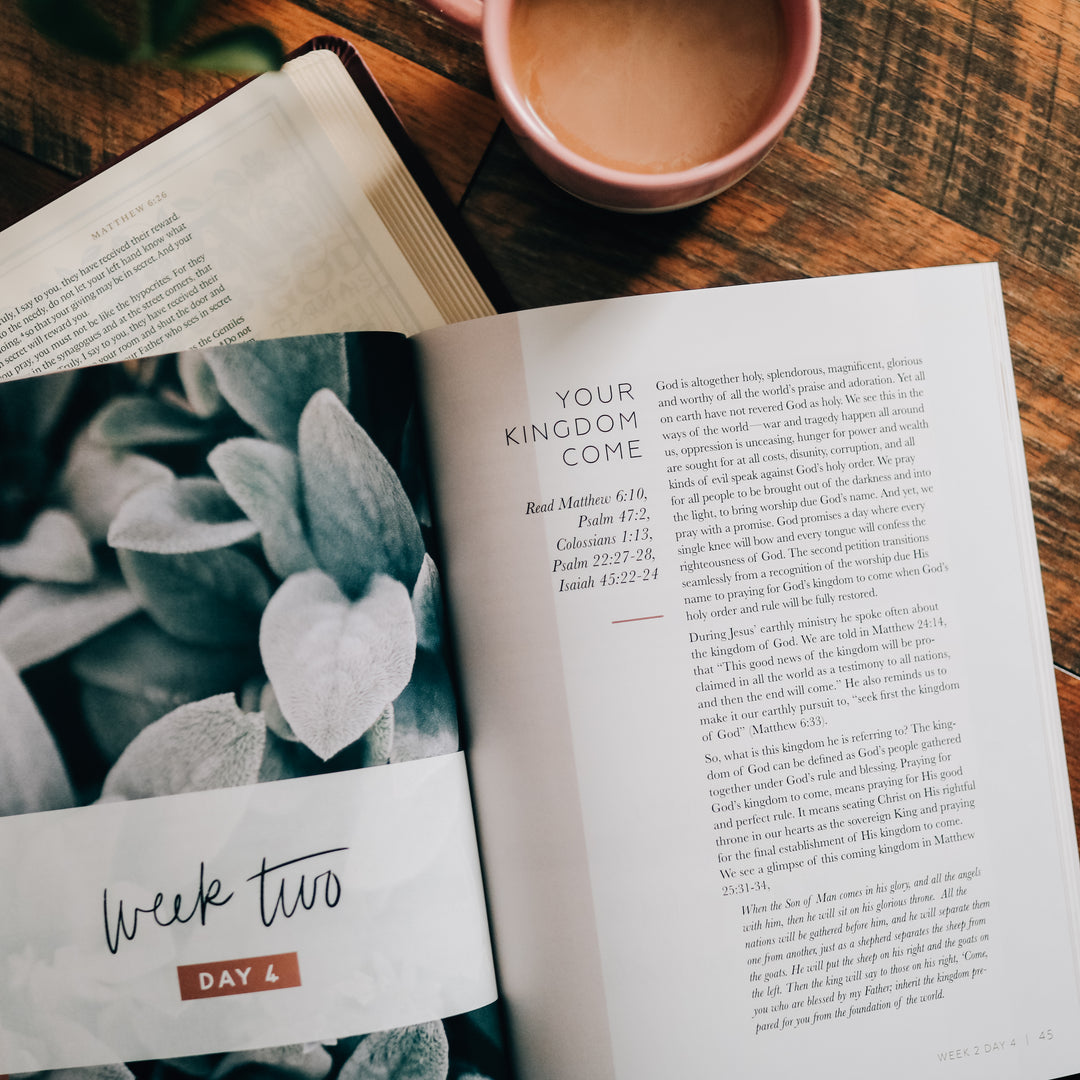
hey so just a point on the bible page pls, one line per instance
(763, 732)
(243, 222)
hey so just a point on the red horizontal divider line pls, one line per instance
(640, 618)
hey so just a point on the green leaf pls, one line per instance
(38, 622)
(179, 517)
(264, 480)
(336, 665)
(53, 549)
(32, 776)
(239, 49)
(206, 597)
(79, 26)
(168, 19)
(360, 520)
(134, 673)
(420, 1052)
(201, 746)
(268, 383)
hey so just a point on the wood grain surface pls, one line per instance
(936, 131)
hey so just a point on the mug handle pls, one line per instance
(466, 15)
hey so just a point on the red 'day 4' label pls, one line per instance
(249, 975)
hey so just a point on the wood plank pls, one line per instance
(411, 29)
(26, 185)
(972, 109)
(1068, 689)
(121, 107)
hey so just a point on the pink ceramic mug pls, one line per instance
(616, 188)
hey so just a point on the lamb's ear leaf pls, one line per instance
(32, 776)
(263, 479)
(134, 673)
(117, 1071)
(200, 746)
(359, 517)
(178, 517)
(200, 386)
(427, 606)
(335, 665)
(420, 1052)
(133, 420)
(53, 549)
(268, 383)
(97, 479)
(425, 713)
(206, 597)
(38, 621)
(377, 742)
(300, 1061)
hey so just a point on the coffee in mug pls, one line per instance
(645, 105)
(648, 86)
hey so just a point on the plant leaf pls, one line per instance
(359, 517)
(168, 19)
(30, 408)
(201, 746)
(425, 713)
(178, 517)
(134, 673)
(377, 741)
(268, 383)
(78, 26)
(427, 606)
(264, 480)
(38, 622)
(206, 597)
(420, 1052)
(275, 720)
(200, 386)
(98, 479)
(53, 549)
(335, 665)
(238, 49)
(93, 1072)
(32, 776)
(303, 1061)
(133, 420)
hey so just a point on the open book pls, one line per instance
(293, 205)
(759, 729)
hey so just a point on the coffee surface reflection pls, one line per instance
(648, 86)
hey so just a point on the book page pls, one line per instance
(235, 823)
(242, 222)
(763, 731)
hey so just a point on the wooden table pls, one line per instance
(937, 131)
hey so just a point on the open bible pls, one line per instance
(294, 204)
(672, 669)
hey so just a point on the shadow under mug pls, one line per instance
(617, 189)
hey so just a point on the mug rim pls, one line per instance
(798, 76)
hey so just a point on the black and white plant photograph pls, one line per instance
(215, 571)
